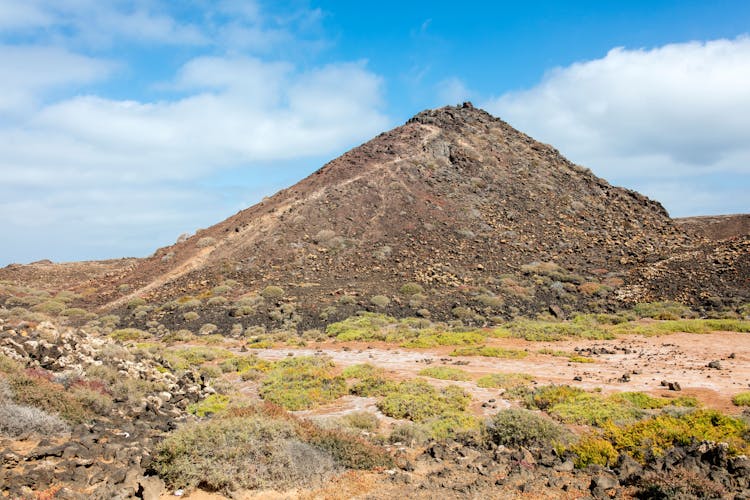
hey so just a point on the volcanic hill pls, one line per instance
(453, 215)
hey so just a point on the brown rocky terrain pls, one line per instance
(481, 217)
(218, 366)
(717, 227)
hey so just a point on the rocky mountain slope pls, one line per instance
(717, 227)
(454, 214)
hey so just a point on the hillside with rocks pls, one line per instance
(453, 215)
(450, 310)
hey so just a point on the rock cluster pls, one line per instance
(703, 468)
(107, 456)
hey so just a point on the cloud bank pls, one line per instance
(87, 175)
(661, 120)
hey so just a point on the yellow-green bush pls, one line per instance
(742, 399)
(302, 382)
(515, 385)
(593, 449)
(444, 373)
(215, 403)
(129, 334)
(434, 338)
(517, 427)
(547, 396)
(418, 401)
(490, 352)
(655, 435)
(592, 409)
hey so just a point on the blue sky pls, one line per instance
(126, 123)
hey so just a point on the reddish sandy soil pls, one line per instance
(681, 357)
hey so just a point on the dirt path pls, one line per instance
(681, 358)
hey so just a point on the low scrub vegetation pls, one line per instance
(490, 352)
(261, 447)
(302, 382)
(418, 401)
(592, 449)
(252, 452)
(514, 385)
(444, 373)
(653, 436)
(517, 427)
(742, 399)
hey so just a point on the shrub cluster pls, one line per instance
(302, 382)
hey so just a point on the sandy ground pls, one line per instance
(648, 361)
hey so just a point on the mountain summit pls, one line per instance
(453, 214)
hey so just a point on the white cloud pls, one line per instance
(674, 111)
(79, 162)
(96, 23)
(31, 71)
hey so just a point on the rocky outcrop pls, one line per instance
(106, 456)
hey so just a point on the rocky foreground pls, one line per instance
(104, 448)
(82, 416)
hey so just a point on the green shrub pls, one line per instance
(136, 302)
(272, 292)
(410, 434)
(515, 385)
(434, 338)
(653, 436)
(491, 301)
(547, 396)
(208, 329)
(645, 402)
(50, 307)
(418, 401)
(517, 427)
(364, 420)
(370, 380)
(742, 399)
(191, 357)
(348, 450)
(410, 289)
(191, 316)
(227, 454)
(74, 312)
(491, 352)
(592, 409)
(463, 426)
(545, 331)
(662, 310)
(364, 326)
(697, 326)
(215, 403)
(444, 373)
(302, 382)
(581, 359)
(95, 401)
(135, 389)
(380, 301)
(37, 391)
(592, 449)
(129, 334)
